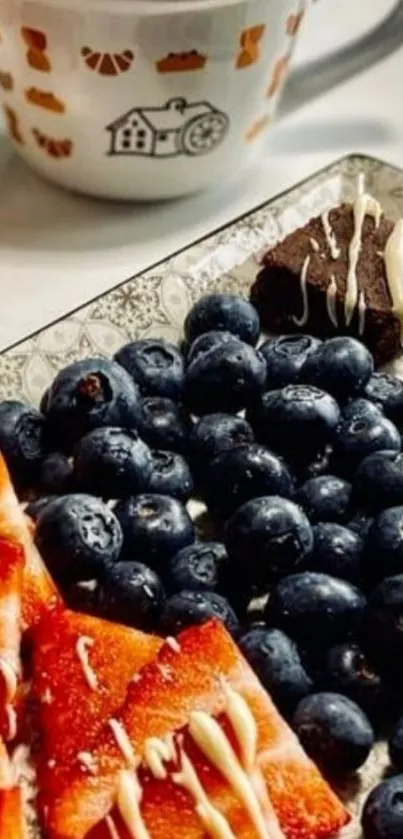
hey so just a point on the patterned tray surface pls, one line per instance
(155, 303)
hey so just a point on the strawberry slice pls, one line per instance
(39, 591)
(11, 572)
(11, 809)
(296, 802)
(81, 670)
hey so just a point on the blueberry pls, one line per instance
(387, 391)
(395, 746)
(188, 608)
(384, 545)
(348, 670)
(359, 408)
(83, 596)
(217, 433)
(197, 567)
(382, 816)
(229, 377)
(225, 312)
(316, 609)
(318, 465)
(56, 475)
(246, 472)
(155, 527)
(23, 441)
(156, 365)
(112, 462)
(383, 627)
(341, 365)
(164, 424)
(336, 551)
(277, 663)
(358, 436)
(325, 498)
(265, 539)
(35, 507)
(131, 593)
(89, 394)
(285, 356)
(378, 482)
(206, 342)
(334, 731)
(360, 523)
(77, 535)
(295, 419)
(170, 475)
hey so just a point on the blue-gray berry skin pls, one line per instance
(189, 608)
(197, 567)
(156, 365)
(285, 356)
(325, 498)
(170, 475)
(382, 816)
(342, 365)
(378, 481)
(334, 731)
(112, 462)
(164, 424)
(229, 377)
(155, 527)
(386, 391)
(23, 441)
(224, 312)
(337, 551)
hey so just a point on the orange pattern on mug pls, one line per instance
(37, 44)
(45, 99)
(181, 62)
(6, 80)
(249, 43)
(294, 21)
(279, 75)
(108, 63)
(53, 147)
(13, 124)
(256, 128)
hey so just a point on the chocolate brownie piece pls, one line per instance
(302, 284)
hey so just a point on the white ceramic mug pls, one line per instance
(151, 99)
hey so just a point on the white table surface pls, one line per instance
(58, 251)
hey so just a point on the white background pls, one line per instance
(58, 251)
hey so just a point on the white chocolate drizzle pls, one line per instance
(330, 236)
(122, 739)
(394, 271)
(364, 205)
(362, 311)
(88, 762)
(212, 741)
(331, 301)
(214, 822)
(10, 678)
(11, 723)
(173, 644)
(84, 644)
(304, 294)
(128, 802)
(314, 244)
(113, 831)
(157, 752)
(243, 724)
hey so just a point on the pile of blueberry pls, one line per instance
(295, 450)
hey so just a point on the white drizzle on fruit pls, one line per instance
(243, 723)
(173, 644)
(128, 802)
(157, 752)
(88, 762)
(11, 723)
(364, 205)
(123, 742)
(394, 271)
(84, 644)
(331, 301)
(304, 294)
(330, 236)
(212, 820)
(113, 831)
(362, 311)
(213, 742)
(10, 680)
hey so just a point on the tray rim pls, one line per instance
(339, 163)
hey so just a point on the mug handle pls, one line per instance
(316, 77)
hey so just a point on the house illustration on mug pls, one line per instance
(177, 128)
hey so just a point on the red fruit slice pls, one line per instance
(160, 702)
(11, 574)
(11, 810)
(81, 670)
(39, 591)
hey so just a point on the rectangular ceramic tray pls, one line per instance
(155, 303)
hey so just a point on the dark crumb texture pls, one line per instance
(277, 295)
